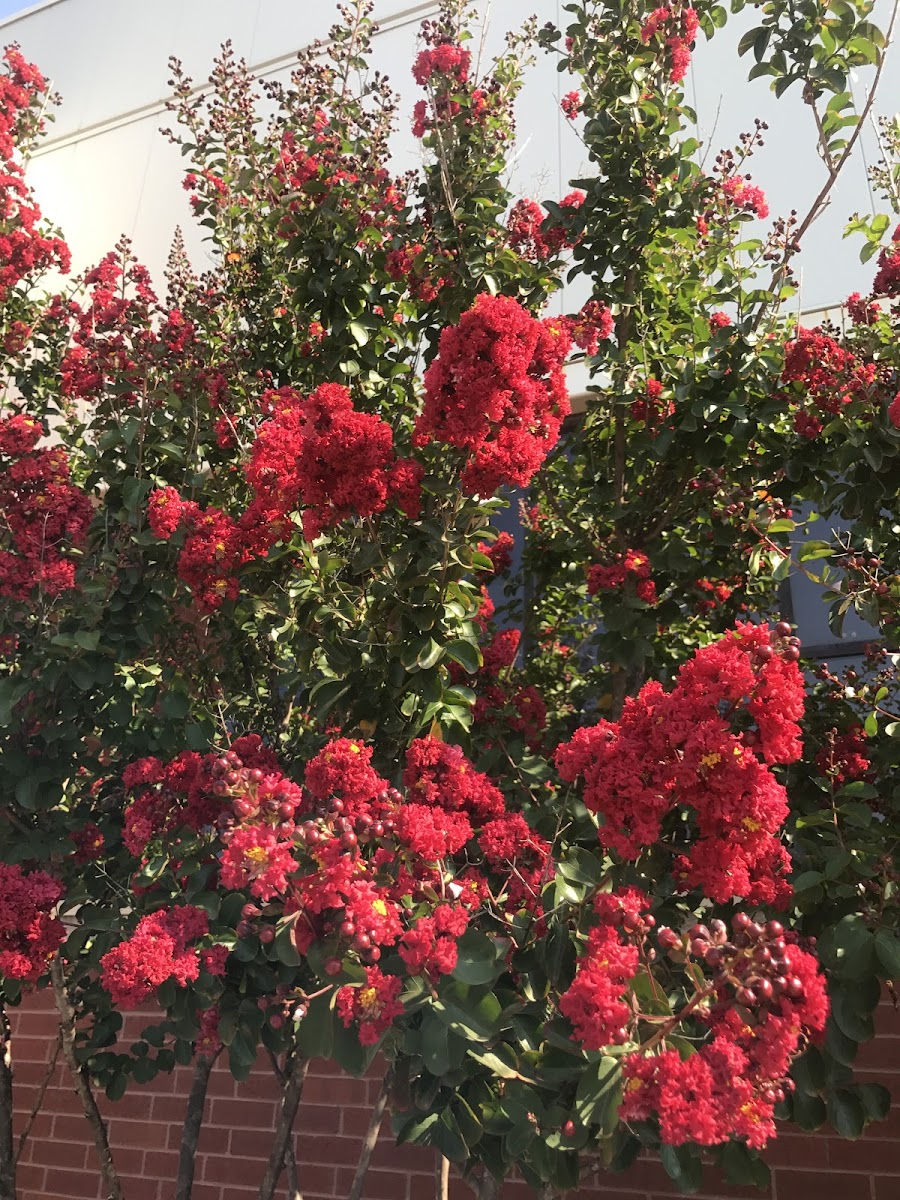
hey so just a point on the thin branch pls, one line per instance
(7, 1162)
(112, 1185)
(295, 1077)
(290, 1158)
(371, 1138)
(193, 1121)
(820, 200)
(442, 1178)
(39, 1099)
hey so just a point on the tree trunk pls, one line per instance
(7, 1159)
(370, 1140)
(112, 1185)
(442, 1178)
(193, 1122)
(290, 1102)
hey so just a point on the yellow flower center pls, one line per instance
(257, 855)
(368, 1000)
(750, 824)
(380, 907)
(710, 760)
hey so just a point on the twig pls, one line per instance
(193, 1120)
(7, 1162)
(39, 1099)
(819, 202)
(295, 1077)
(371, 1138)
(112, 1185)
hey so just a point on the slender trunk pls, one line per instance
(442, 1178)
(112, 1185)
(370, 1140)
(290, 1159)
(39, 1099)
(193, 1121)
(295, 1077)
(488, 1187)
(7, 1159)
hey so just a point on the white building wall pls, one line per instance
(105, 169)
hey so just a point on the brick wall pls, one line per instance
(145, 1131)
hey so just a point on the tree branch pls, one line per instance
(442, 1178)
(371, 1139)
(7, 1160)
(112, 1185)
(290, 1158)
(193, 1122)
(835, 170)
(295, 1077)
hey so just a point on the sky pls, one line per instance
(8, 7)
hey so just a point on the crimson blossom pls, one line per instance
(497, 391)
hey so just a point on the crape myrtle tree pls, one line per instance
(288, 763)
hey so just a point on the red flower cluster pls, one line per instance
(571, 105)
(631, 569)
(43, 514)
(825, 375)
(499, 552)
(683, 26)
(157, 950)
(373, 1005)
(530, 232)
(497, 390)
(843, 757)
(26, 252)
(860, 310)
(445, 59)
(318, 452)
(651, 408)
(592, 325)
(595, 1002)
(695, 749)
(887, 281)
(354, 866)
(29, 935)
(744, 196)
(769, 998)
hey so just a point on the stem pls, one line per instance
(673, 1022)
(38, 1103)
(295, 1077)
(7, 1161)
(112, 1185)
(193, 1120)
(819, 202)
(442, 1178)
(371, 1138)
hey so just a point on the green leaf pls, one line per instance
(466, 654)
(477, 960)
(887, 950)
(435, 1048)
(846, 1113)
(599, 1094)
(683, 1167)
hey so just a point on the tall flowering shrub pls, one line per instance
(290, 759)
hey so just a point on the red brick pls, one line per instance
(866, 1155)
(253, 1114)
(887, 1188)
(83, 1184)
(810, 1185)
